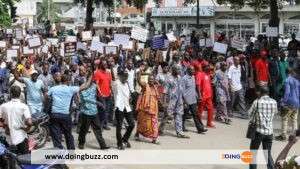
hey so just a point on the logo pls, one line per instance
(246, 156)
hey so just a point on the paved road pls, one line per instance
(223, 137)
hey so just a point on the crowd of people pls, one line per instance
(149, 88)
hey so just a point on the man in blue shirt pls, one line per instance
(60, 119)
(89, 117)
(290, 104)
(35, 90)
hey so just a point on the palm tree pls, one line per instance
(7, 11)
(48, 10)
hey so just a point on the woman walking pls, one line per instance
(147, 108)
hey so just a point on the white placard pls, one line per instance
(206, 42)
(110, 49)
(86, 35)
(129, 46)
(45, 49)
(139, 34)
(272, 31)
(97, 46)
(238, 44)
(53, 41)
(166, 43)
(171, 37)
(71, 39)
(141, 46)
(9, 31)
(220, 47)
(80, 45)
(15, 47)
(61, 52)
(11, 53)
(121, 39)
(19, 34)
(34, 42)
(96, 38)
(27, 50)
(2, 44)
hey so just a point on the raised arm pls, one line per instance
(86, 84)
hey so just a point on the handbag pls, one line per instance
(251, 131)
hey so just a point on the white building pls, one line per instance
(215, 19)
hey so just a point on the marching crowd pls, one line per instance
(144, 91)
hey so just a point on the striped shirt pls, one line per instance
(266, 108)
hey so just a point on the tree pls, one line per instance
(7, 12)
(48, 11)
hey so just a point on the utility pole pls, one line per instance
(48, 10)
(198, 14)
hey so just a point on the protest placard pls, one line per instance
(166, 43)
(86, 35)
(129, 46)
(220, 48)
(45, 49)
(70, 48)
(272, 31)
(97, 46)
(110, 49)
(34, 42)
(81, 46)
(9, 31)
(19, 34)
(121, 39)
(53, 41)
(171, 37)
(11, 53)
(139, 34)
(158, 42)
(27, 51)
(238, 44)
(2, 44)
(140, 46)
(96, 38)
(15, 47)
(71, 39)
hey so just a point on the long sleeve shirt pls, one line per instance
(292, 92)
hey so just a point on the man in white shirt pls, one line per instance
(15, 117)
(237, 94)
(123, 110)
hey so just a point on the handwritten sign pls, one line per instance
(206, 42)
(86, 35)
(19, 34)
(121, 39)
(81, 46)
(45, 49)
(129, 46)
(11, 53)
(70, 48)
(238, 44)
(15, 47)
(97, 46)
(2, 44)
(139, 34)
(71, 39)
(27, 50)
(9, 31)
(34, 42)
(110, 49)
(272, 31)
(220, 48)
(171, 37)
(53, 41)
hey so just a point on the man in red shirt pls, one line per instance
(103, 79)
(262, 70)
(203, 83)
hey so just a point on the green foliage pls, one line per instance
(44, 8)
(5, 5)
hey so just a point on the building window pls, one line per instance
(264, 27)
(243, 30)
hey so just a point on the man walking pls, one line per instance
(262, 113)
(290, 105)
(237, 94)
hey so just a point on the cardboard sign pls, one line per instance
(27, 51)
(81, 46)
(97, 46)
(70, 48)
(2, 44)
(19, 34)
(34, 42)
(121, 39)
(139, 34)
(272, 31)
(110, 49)
(71, 39)
(171, 37)
(15, 47)
(11, 53)
(238, 44)
(53, 41)
(86, 36)
(140, 46)
(220, 48)
(158, 42)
